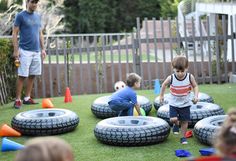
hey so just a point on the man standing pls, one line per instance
(28, 51)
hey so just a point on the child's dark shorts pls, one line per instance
(124, 108)
(183, 114)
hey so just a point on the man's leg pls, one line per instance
(30, 83)
(19, 87)
(28, 100)
(23, 70)
(34, 69)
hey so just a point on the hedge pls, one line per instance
(7, 71)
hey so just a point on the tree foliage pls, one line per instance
(90, 16)
(169, 8)
(5, 51)
(3, 5)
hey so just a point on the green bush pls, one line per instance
(5, 51)
(3, 5)
(7, 68)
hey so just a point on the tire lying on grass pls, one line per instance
(45, 122)
(203, 97)
(101, 109)
(206, 129)
(132, 131)
(197, 112)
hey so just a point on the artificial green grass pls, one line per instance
(87, 148)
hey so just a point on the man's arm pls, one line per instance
(43, 52)
(15, 42)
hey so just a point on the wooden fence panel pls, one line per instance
(202, 54)
(225, 49)
(3, 91)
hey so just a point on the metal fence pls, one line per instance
(92, 63)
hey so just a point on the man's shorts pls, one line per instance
(183, 114)
(30, 63)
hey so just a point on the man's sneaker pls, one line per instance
(17, 104)
(183, 140)
(30, 101)
(175, 129)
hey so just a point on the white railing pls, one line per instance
(186, 9)
(216, 1)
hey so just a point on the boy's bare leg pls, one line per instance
(184, 126)
(174, 120)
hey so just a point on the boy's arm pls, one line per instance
(137, 107)
(195, 89)
(163, 88)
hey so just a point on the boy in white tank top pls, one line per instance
(181, 83)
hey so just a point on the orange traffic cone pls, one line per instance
(46, 103)
(6, 130)
(68, 97)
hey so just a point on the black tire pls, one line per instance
(132, 131)
(45, 122)
(101, 109)
(203, 97)
(206, 129)
(198, 111)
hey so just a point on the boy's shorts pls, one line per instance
(183, 114)
(30, 63)
(122, 106)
